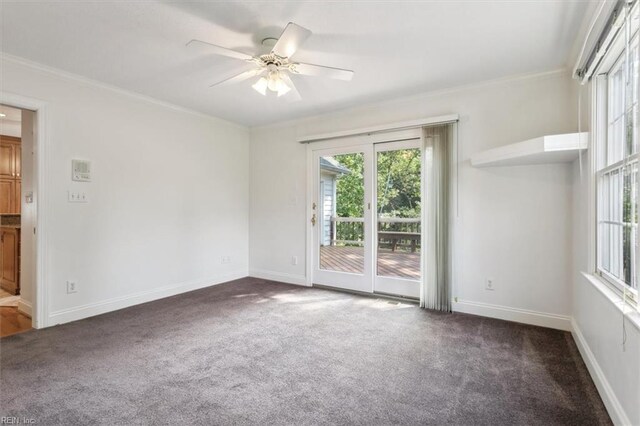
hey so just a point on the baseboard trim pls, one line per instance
(24, 307)
(279, 276)
(611, 402)
(93, 309)
(542, 319)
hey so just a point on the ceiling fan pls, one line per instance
(274, 68)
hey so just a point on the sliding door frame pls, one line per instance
(350, 143)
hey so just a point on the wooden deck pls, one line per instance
(351, 259)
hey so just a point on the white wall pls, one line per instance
(513, 222)
(597, 321)
(10, 128)
(169, 195)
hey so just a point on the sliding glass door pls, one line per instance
(367, 233)
(398, 167)
(342, 219)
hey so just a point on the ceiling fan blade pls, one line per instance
(222, 51)
(238, 78)
(319, 70)
(290, 40)
(293, 94)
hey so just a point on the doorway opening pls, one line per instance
(17, 219)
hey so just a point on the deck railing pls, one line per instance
(393, 232)
(347, 230)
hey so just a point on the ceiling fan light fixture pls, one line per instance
(261, 86)
(275, 66)
(273, 84)
(275, 81)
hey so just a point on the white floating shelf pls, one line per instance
(542, 150)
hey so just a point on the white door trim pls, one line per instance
(308, 227)
(40, 308)
(389, 127)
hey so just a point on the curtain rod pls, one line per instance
(607, 35)
(404, 125)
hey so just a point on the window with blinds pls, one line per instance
(617, 166)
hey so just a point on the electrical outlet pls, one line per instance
(72, 287)
(226, 259)
(294, 260)
(490, 284)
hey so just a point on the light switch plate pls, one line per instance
(77, 197)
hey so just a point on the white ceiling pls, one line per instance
(395, 48)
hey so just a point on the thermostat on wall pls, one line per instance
(81, 170)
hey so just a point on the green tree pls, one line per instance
(350, 187)
(398, 188)
(398, 183)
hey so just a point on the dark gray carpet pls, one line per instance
(253, 351)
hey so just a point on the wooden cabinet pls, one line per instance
(7, 196)
(7, 159)
(10, 175)
(10, 258)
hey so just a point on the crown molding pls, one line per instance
(420, 96)
(285, 123)
(76, 78)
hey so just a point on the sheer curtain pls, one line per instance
(435, 291)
